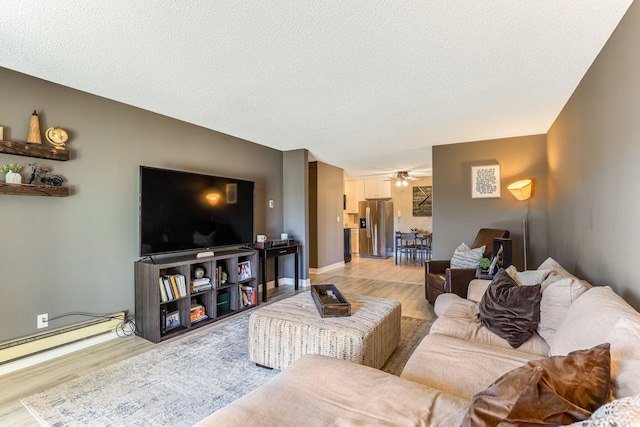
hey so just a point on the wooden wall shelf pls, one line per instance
(40, 151)
(33, 190)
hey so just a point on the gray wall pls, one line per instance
(326, 233)
(296, 207)
(594, 153)
(76, 254)
(457, 217)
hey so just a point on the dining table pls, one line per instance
(422, 242)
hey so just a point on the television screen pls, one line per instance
(181, 211)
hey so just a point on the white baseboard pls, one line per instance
(326, 268)
(289, 281)
(56, 352)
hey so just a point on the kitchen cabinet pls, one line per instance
(354, 240)
(354, 190)
(377, 188)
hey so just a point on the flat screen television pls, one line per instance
(183, 211)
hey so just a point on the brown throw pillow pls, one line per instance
(553, 391)
(509, 310)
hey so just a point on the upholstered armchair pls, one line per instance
(440, 278)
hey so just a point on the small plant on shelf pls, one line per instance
(11, 173)
(485, 263)
(12, 167)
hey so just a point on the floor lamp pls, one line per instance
(521, 190)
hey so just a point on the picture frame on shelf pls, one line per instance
(244, 270)
(173, 320)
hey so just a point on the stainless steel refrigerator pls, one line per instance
(376, 228)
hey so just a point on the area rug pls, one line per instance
(177, 383)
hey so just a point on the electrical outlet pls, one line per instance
(43, 320)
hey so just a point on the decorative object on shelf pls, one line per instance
(11, 172)
(34, 129)
(244, 270)
(485, 182)
(173, 320)
(45, 177)
(56, 137)
(484, 264)
(223, 277)
(521, 190)
(422, 201)
(198, 272)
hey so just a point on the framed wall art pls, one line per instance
(485, 182)
(422, 201)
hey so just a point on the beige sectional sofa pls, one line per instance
(459, 358)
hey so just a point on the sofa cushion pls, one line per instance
(473, 330)
(625, 357)
(320, 390)
(550, 391)
(458, 317)
(477, 288)
(590, 319)
(557, 297)
(452, 305)
(509, 310)
(465, 257)
(460, 367)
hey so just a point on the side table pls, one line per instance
(275, 252)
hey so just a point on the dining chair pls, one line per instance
(408, 246)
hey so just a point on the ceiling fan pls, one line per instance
(403, 179)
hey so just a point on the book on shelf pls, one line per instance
(163, 320)
(163, 291)
(199, 285)
(199, 319)
(248, 295)
(197, 312)
(172, 286)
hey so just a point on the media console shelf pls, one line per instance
(221, 301)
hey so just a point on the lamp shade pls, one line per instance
(521, 190)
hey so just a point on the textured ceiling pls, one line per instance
(368, 86)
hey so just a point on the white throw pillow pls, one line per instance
(528, 277)
(465, 257)
(554, 305)
(556, 272)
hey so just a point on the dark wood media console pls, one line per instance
(222, 300)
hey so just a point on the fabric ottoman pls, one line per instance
(282, 332)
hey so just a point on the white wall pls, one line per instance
(402, 198)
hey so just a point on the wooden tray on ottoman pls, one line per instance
(330, 301)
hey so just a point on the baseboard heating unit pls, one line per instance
(30, 350)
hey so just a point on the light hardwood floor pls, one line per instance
(366, 276)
